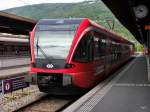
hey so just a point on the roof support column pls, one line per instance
(148, 42)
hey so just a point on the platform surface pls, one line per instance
(6, 62)
(129, 91)
(12, 72)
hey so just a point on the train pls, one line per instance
(70, 56)
(14, 46)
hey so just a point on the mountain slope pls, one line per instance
(94, 10)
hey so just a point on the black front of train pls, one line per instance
(52, 41)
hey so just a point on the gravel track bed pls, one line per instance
(32, 100)
(48, 104)
(18, 99)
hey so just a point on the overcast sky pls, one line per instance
(5, 4)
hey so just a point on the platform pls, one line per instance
(6, 62)
(13, 72)
(128, 91)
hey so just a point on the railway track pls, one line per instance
(32, 100)
(49, 104)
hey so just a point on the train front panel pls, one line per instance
(52, 42)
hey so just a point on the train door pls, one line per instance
(108, 56)
(99, 55)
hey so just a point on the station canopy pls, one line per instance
(17, 25)
(134, 15)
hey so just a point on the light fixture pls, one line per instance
(141, 11)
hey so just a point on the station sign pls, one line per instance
(1, 86)
(13, 84)
(7, 86)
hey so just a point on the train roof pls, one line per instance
(113, 35)
(60, 21)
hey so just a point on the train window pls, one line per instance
(96, 48)
(99, 45)
(119, 50)
(84, 51)
(112, 51)
(102, 44)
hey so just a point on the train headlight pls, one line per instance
(66, 79)
(69, 65)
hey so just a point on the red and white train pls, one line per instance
(73, 55)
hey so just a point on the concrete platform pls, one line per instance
(13, 72)
(6, 62)
(128, 91)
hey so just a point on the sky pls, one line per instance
(6, 4)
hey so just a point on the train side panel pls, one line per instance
(93, 54)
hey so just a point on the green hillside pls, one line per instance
(94, 10)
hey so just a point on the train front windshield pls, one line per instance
(53, 41)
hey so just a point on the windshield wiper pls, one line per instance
(37, 45)
(42, 51)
